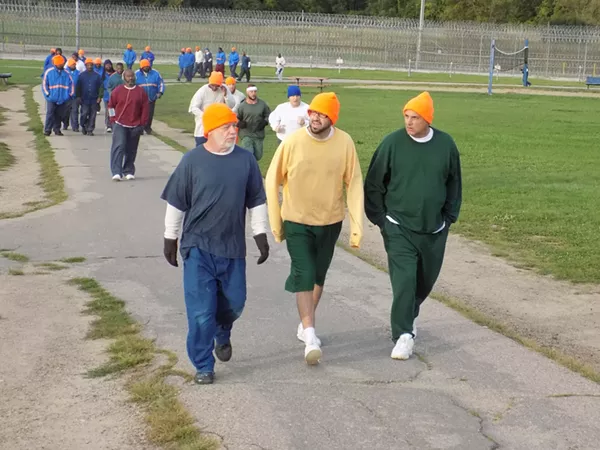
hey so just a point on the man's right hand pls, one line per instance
(170, 251)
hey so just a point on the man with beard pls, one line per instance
(253, 114)
(152, 82)
(213, 243)
(128, 109)
(314, 164)
(213, 92)
(108, 72)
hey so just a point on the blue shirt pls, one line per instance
(214, 192)
(88, 87)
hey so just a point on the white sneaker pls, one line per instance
(415, 330)
(312, 353)
(108, 130)
(404, 347)
(300, 335)
(117, 177)
(129, 177)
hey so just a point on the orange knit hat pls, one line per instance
(97, 61)
(189, 49)
(144, 63)
(81, 52)
(89, 61)
(147, 48)
(326, 103)
(216, 78)
(229, 81)
(58, 59)
(71, 62)
(129, 46)
(422, 104)
(216, 115)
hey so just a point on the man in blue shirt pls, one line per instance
(245, 68)
(234, 59)
(213, 243)
(89, 95)
(57, 87)
(152, 82)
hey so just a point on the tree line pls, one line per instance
(555, 12)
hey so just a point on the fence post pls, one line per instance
(480, 54)
(491, 75)
(585, 57)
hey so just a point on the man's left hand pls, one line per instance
(263, 247)
(159, 95)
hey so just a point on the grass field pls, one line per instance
(530, 166)
(28, 72)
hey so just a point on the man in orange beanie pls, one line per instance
(314, 164)
(413, 193)
(213, 92)
(213, 242)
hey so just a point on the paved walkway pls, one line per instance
(468, 388)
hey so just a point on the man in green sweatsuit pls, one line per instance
(413, 193)
(253, 116)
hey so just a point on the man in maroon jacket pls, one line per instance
(128, 111)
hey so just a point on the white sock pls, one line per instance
(309, 335)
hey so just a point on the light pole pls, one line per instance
(421, 26)
(77, 24)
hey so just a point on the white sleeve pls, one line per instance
(173, 221)
(231, 100)
(196, 103)
(259, 219)
(274, 119)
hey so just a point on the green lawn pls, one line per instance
(28, 72)
(530, 166)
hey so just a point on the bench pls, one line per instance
(5, 76)
(592, 81)
(320, 86)
(311, 82)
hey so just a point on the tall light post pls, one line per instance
(77, 24)
(421, 26)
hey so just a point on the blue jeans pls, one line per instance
(74, 115)
(200, 140)
(54, 116)
(215, 295)
(123, 150)
(87, 119)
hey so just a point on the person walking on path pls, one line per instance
(98, 67)
(108, 72)
(72, 113)
(89, 96)
(188, 64)
(128, 108)
(246, 64)
(199, 62)
(234, 59)
(231, 85)
(289, 116)
(213, 92)
(279, 66)
(116, 79)
(413, 193)
(148, 55)
(58, 90)
(314, 164)
(152, 82)
(213, 242)
(129, 56)
(253, 115)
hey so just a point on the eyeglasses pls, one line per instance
(318, 114)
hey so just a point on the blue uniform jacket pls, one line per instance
(181, 60)
(105, 79)
(149, 56)
(57, 86)
(188, 60)
(152, 83)
(88, 87)
(220, 58)
(47, 64)
(129, 57)
(234, 58)
(74, 76)
(245, 62)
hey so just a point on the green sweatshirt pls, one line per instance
(417, 184)
(256, 117)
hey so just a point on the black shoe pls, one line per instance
(47, 133)
(91, 133)
(58, 133)
(83, 132)
(149, 131)
(204, 378)
(223, 352)
(76, 130)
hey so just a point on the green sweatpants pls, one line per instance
(311, 251)
(414, 262)
(253, 145)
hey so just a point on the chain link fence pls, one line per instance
(30, 28)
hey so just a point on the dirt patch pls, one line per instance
(47, 402)
(480, 90)
(553, 313)
(19, 187)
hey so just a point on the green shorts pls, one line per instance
(311, 251)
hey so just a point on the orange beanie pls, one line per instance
(71, 62)
(326, 103)
(422, 104)
(216, 78)
(81, 52)
(89, 61)
(58, 59)
(215, 116)
(129, 46)
(147, 48)
(144, 63)
(97, 61)
(229, 81)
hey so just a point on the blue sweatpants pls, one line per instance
(215, 295)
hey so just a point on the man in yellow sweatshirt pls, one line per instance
(314, 164)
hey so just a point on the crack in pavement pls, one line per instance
(494, 445)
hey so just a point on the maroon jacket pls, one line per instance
(131, 106)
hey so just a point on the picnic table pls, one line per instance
(311, 81)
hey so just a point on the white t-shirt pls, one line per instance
(80, 66)
(199, 57)
(280, 62)
(202, 98)
(287, 116)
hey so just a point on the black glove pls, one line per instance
(263, 247)
(170, 251)
(98, 107)
(262, 124)
(242, 124)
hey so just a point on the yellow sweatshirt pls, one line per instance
(313, 174)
